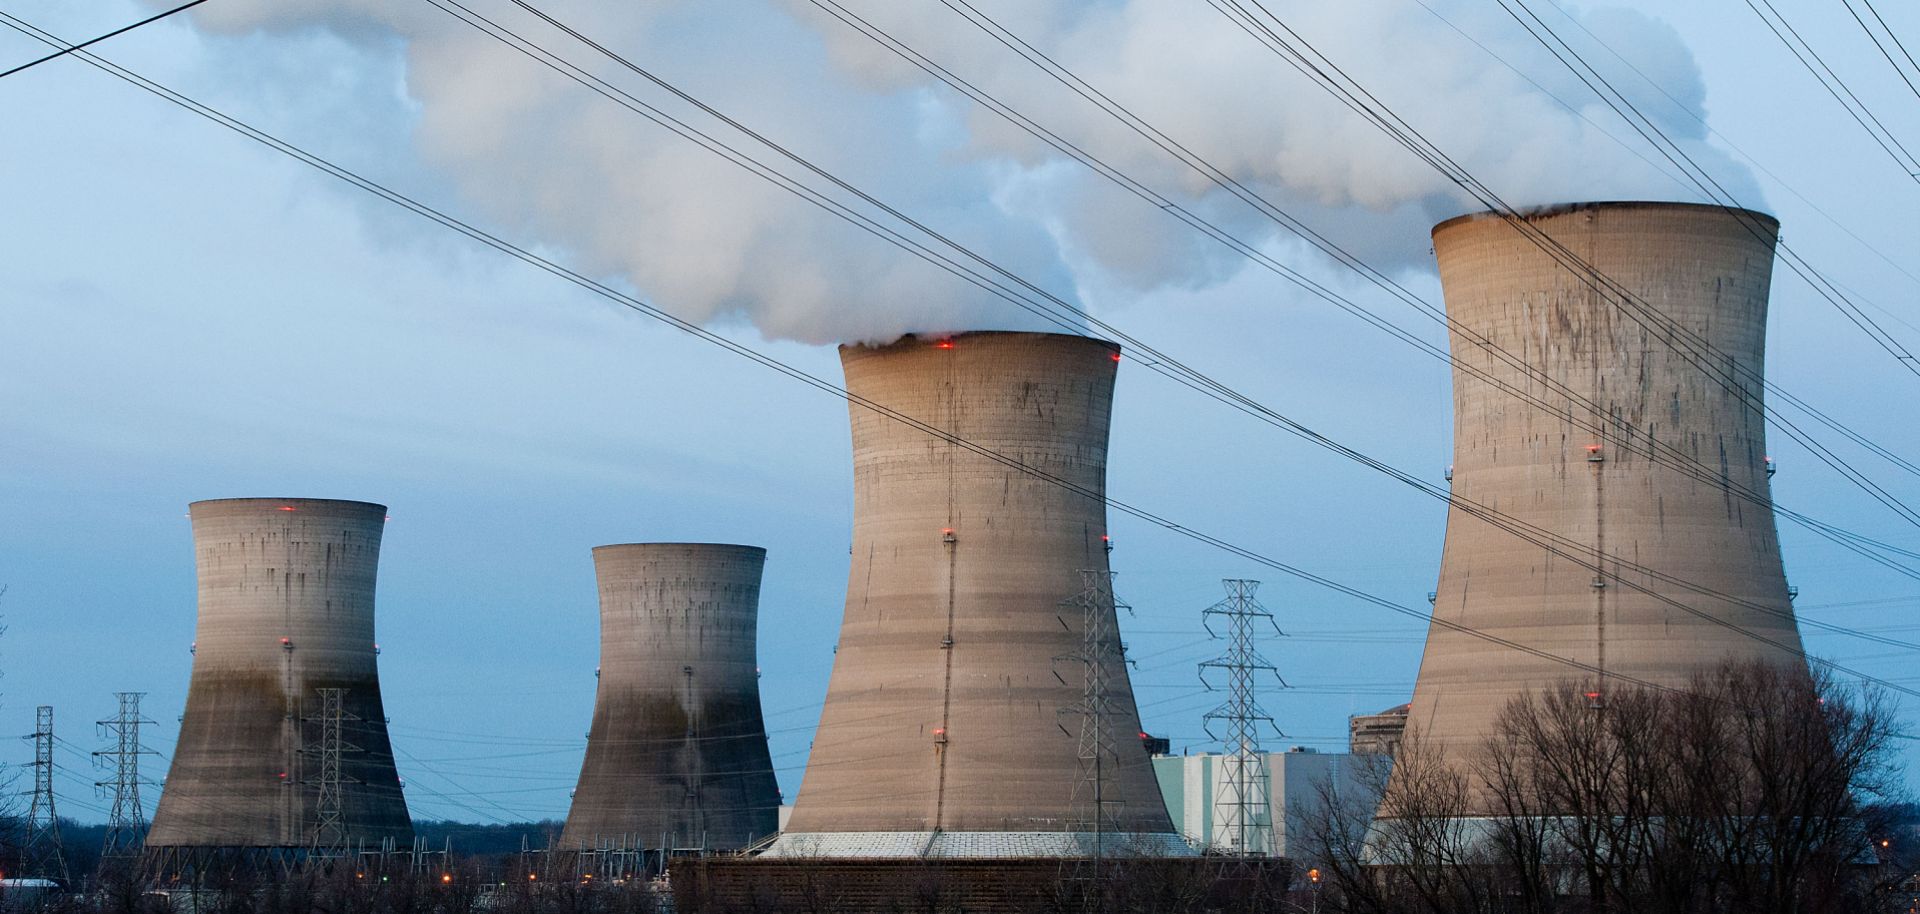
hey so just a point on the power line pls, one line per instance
(1836, 87)
(1156, 361)
(1739, 381)
(91, 41)
(1650, 131)
(754, 355)
(1656, 450)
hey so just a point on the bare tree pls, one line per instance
(1756, 788)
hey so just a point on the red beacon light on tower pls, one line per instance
(943, 344)
(288, 508)
(1593, 453)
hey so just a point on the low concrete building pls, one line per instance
(1206, 811)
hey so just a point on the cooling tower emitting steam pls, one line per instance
(1705, 270)
(286, 610)
(677, 756)
(943, 733)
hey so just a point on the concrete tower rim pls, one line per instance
(936, 337)
(643, 547)
(260, 500)
(1552, 210)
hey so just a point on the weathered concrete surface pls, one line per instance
(1704, 270)
(678, 750)
(943, 712)
(286, 607)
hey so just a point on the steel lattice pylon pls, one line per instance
(1099, 655)
(127, 821)
(1242, 806)
(45, 858)
(329, 823)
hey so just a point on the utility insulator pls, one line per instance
(1599, 582)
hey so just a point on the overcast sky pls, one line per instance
(186, 314)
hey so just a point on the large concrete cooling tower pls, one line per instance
(678, 752)
(284, 742)
(1701, 269)
(948, 729)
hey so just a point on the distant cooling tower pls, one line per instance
(946, 731)
(678, 751)
(1703, 269)
(284, 647)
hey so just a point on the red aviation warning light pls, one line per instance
(288, 508)
(943, 344)
(1116, 356)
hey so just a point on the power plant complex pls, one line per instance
(1610, 521)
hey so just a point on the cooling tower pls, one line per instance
(950, 727)
(677, 756)
(1705, 271)
(286, 611)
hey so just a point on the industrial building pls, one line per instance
(677, 756)
(1646, 467)
(283, 746)
(972, 711)
(1293, 786)
(1378, 734)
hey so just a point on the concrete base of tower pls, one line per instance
(973, 845)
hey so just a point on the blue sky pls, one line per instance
(185, 315)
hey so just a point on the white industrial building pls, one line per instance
(1207, 811)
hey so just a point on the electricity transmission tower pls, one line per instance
(1098, 657)
(45, 858)
(1242, 805)
(127, 822)
(329, 824)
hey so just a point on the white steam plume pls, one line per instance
(548, 158)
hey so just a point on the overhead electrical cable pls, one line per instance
(599, 288)
(1559, 546)
(1157, 361)
(1836, 87)
(1654, 449)
(1575, 552)
(1650, 130)
(1738, 380)
(1688, 111)
(1881, 47)
(93, 41)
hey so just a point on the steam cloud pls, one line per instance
(550, 161)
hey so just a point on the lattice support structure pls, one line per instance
(329, 821)
(44, 856)
(127, 820)
(1242, 805)
(1093, 715)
